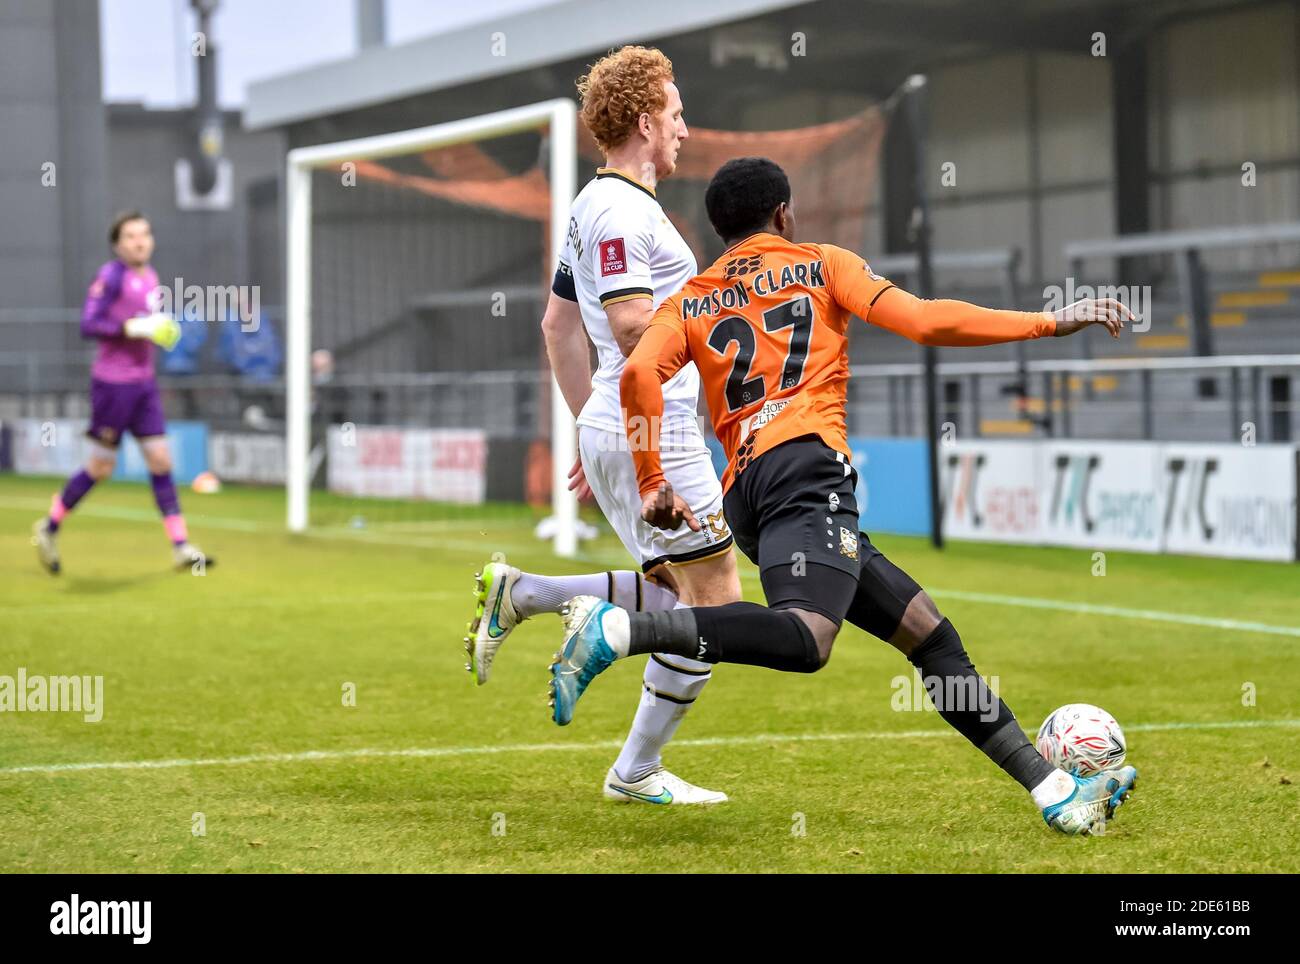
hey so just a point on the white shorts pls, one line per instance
(610, 472)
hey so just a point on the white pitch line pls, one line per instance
(1091, 609)
(310, 756)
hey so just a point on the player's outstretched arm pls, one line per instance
(949, 323)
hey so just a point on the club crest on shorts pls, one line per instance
(848, 543)
(715, 526)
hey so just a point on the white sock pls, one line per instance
(618, 631)
(666, 694)
(633, 593)
(532, 594)
(637, 594)
(1053, 789)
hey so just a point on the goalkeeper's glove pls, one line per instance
(162, 330)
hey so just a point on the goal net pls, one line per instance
(418, 395)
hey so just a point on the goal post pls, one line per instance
(559, 116)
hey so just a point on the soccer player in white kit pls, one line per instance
(622, 258)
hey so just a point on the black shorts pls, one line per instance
(794, 514)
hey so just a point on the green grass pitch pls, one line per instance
(237, 677)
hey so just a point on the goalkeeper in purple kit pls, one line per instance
(120, 311)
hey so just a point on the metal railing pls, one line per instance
(1148, 399)
(1193, 278)
(1155, 399)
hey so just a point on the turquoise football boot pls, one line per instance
(585, 654)
(1093, 802)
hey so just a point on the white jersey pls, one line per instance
(621, 246)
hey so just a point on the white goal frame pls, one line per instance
(560, 116)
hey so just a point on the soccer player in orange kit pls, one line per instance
(767, 327)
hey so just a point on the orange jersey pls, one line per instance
(767, 327)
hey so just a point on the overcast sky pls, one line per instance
(144, 43)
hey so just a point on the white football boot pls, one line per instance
(494, 617)
(187, 556)
(659, 786)
(47, 546)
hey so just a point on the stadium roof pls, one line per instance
(534, 37)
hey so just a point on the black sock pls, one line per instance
(969, 707)
(739, 632)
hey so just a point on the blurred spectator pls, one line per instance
(249, 343)
(184, 358)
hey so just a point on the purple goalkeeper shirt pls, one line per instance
(116, 294)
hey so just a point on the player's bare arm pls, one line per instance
(628, 320)
(566, 347)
